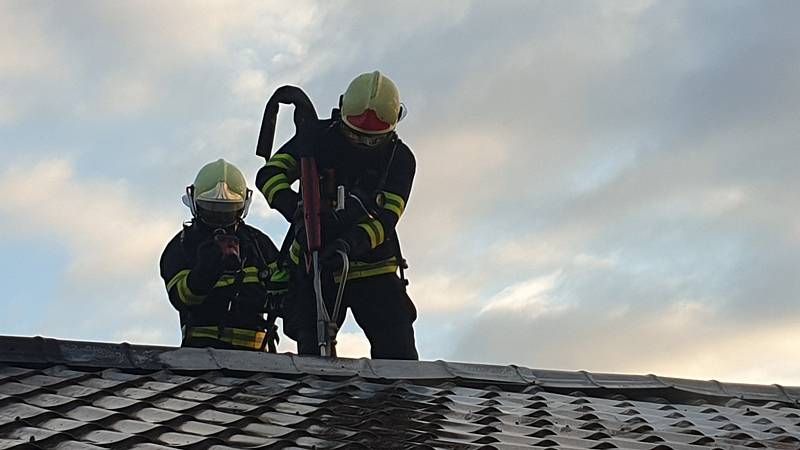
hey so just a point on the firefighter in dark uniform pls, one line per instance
(359, 149)
(220, 272)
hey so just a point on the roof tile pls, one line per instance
(220, 400)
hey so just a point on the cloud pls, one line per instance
(352, 345)
(635, 162)
(529, 297)
(148, 55)
(24, 50)
(636, 158)
(251, 85)
(26, 53)
(123, 95)
(627, 316)
(8, 113)
(643, 151)
(100, 221)
(349, 344)
(442, 292)
(113, 241)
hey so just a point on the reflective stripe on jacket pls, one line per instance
(236, 299)
(383, 175)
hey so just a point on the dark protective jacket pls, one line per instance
(226, 308)
(381, 177)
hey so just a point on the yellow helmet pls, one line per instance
(219, 196)
(371, 104)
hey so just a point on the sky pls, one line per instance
(603, 186)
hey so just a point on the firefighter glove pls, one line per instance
(330, 257)
(229, 248)
(207, 269)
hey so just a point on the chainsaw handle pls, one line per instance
(284, 95)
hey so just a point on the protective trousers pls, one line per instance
(379, 304)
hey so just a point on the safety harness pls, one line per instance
(238, 337)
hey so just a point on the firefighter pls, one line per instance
(357, 148)
(218, 270)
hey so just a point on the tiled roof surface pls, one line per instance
(78, 395)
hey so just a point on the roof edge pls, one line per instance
(41, 351)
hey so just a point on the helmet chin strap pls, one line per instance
(226, 230)
(217, 229)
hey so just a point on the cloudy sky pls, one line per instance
(605, 186)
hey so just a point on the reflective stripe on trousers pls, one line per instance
(235, 336)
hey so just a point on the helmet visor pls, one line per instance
(219, 219)
(364, 140)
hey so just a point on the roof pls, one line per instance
(83, 395)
